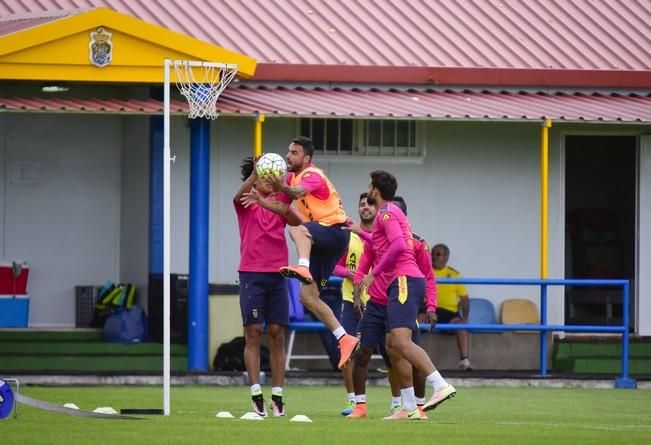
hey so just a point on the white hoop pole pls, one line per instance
(167, 158)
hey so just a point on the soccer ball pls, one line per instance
(271, 164)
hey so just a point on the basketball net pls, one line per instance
(201, 83)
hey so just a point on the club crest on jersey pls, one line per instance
(254, 313)
(386, 217)
(101, 48)
(324, 282)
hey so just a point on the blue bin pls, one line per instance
(14, 311)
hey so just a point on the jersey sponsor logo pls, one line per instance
(352, 261)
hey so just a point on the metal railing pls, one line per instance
(624, 381)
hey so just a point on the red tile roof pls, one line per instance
(10, 24)
(370, 103)
(565, 36)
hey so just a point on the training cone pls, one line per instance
(224, 415)
(71, 406)
(251, 416)
(300, 418)
(105, 410)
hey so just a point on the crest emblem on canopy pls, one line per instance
(101, 48)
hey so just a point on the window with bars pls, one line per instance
(364, 138)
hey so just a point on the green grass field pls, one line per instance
(477, 416)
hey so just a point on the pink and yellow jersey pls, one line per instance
(349, 262)
(424, 261)
(321, 202)
(378, 290)
(263, 247)
(391, 225)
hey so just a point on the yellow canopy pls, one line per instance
(61, 50)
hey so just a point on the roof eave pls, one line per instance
(453, 76)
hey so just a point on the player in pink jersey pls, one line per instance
(424, 261)
(373, 328)
(394, 261)
(320, 240)
(345, 269)
(263, 291)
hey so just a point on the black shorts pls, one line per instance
(329, 245)
(348, 319)
(263, 298)
(405, 293)
(445, 316)
(373, 329)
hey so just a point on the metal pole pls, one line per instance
(543, 334)
(625, 381)
(625, 333)
(257, 135)
(199, 234)
(544, 211)
(544, 195)
(167, 158)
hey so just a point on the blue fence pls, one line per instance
(624, 381)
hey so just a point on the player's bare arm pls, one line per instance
(292, 218)
(464, 305)
(432, 318)
(358, 306)
(354, 228)
(253, 196)
(294, 192)
(246, 187)
(367, 281)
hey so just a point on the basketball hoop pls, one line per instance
(201, 83)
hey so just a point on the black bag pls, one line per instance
(230, 356)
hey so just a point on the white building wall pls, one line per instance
(232, 140)
(134, 214)
(87, 219)
(477, 192)
(62, 216)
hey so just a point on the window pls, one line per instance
(364, 138)
(330, 136)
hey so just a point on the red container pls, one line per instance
(10, 285)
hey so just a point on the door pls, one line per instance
(600, 187)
